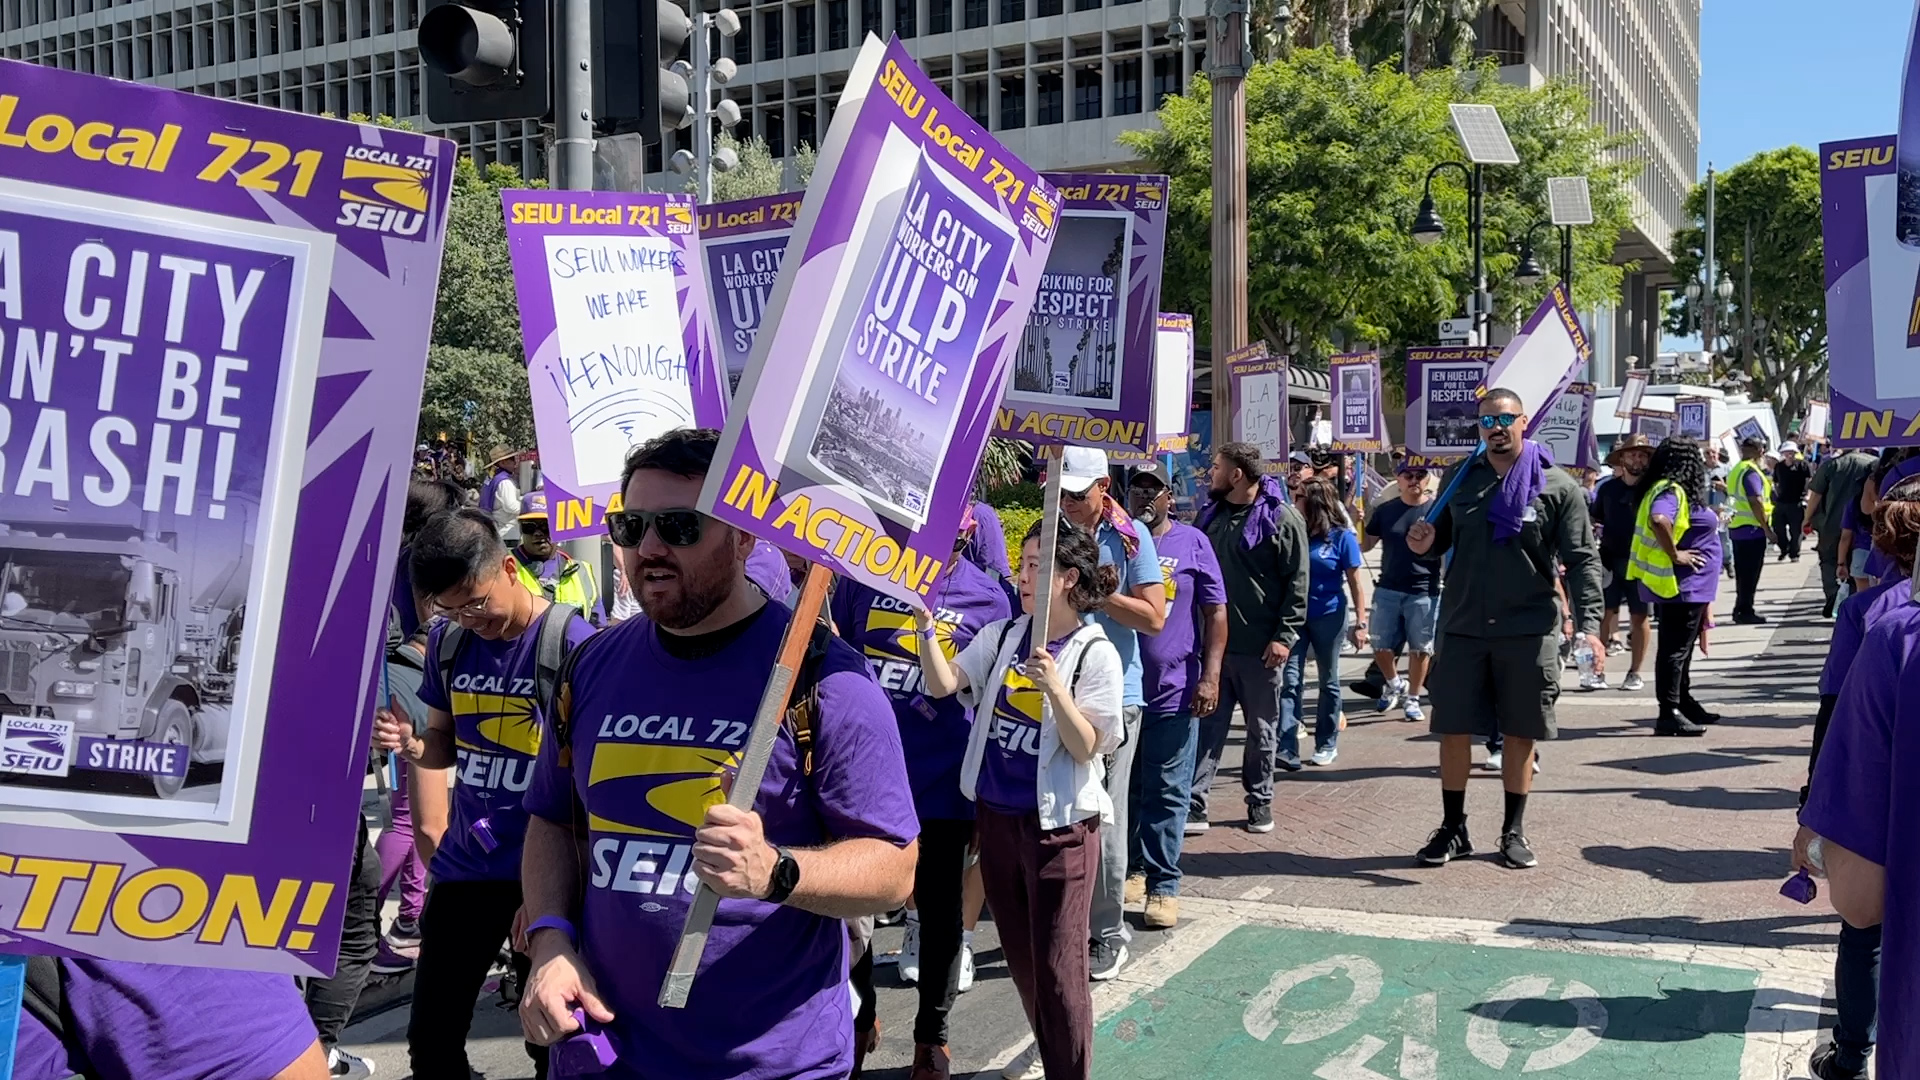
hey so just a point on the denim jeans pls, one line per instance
(1162, 786)
(1108, 917)
(1856, 996)
(1322, 640)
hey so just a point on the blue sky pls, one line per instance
(1774, 73)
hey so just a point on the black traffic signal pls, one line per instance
(487, 60)
(635, 46)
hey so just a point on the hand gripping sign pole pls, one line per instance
(746, 783)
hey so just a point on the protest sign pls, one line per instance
(1083, 373)
(1549, 352)
(1443, 406)
(1632, 390)
(1815, 424)
(1257, 385)
(1172, 391)
(917, 253)
(1653, 421)
(614, 317)
(741, 245)
(218, 319)
(1692, 417)
(1872, 346)
(1567, 428)
(1749, 429)
(1359, 424)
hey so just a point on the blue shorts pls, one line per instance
(1403, 619)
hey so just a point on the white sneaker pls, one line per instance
(966, 968)
(910, 952)
(1633, 681)
(1325, 757)
(1495, 761)
(349, 1066)
(1593, 682)
(1027, 1066)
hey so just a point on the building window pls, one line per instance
(1013, 10)
(869, 18)
(743, 41)
(975, 14)
(1086, 94)
(1086, 5)
(805, 119)
(1126, 87)
(772, 30)
(774, 128)
(1048, 7)
(836, 24)
(939, 16)
(1049, 91)
(1166, 78)
(906, 18)
(803, 35)
(973, 98)
(1013, 102)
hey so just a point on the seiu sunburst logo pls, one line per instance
(379, 194)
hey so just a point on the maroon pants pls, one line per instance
(1039, 884)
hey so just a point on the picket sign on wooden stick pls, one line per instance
(1049, 541)
(746, 782)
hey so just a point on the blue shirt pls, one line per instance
(1329, 558)
(1142, 569)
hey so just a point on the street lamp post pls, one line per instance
(1530, 272)
(1428, 229)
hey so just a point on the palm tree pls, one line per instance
(1439, 30)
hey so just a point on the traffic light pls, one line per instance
(639, 83)
(487, 60)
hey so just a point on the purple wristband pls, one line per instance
(554, 922)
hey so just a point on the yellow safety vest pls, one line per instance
(575, 585)
(1737, 493)
(1649, 563)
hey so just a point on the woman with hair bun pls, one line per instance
(1046, 707)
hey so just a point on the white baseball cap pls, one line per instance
(1080, 466)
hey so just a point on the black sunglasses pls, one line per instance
(676, 528)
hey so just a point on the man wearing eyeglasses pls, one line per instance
(1512, 515)
(630, 812)
(1138, 606)
(483, 722)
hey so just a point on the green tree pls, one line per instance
(1337, 155)
(759, 173)
(1776, 193)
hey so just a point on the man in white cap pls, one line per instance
(1138, 607)
(1790, 480)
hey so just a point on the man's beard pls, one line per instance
(1218, 493)
(695, 592)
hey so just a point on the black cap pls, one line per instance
(1152, 470)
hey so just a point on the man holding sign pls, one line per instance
(648, 727)
(1510, 517)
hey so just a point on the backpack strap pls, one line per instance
(550, 650)
(452, 637)
(803, 708)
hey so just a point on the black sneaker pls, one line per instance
(1260, 819)
(1674, 725)
(1515, 852)
(1448, 842)
(1106, 960)
(1822, 1067)
(1749, 618)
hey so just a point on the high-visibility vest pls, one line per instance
(1737, 492)
(1649, 563)
(574, 584)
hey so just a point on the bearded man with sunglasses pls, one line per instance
(483, 716)
(1511, 517)
(630, 813)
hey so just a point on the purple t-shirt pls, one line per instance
(496, 736)
(1865, 800)
(1170, 660)
(1702, 535)
(767, 568)
(159, 1022)
(654, 739)
(1850, 623)
(1754, 486)
(988, 548)
(933, 731)
(1010, 765)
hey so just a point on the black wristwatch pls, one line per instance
(786, 877)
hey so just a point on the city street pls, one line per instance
(1650, 941)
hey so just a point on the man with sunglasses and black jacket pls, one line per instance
(651, 722)
(481, 688)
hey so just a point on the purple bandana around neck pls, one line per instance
(1522, 484)
(1263, 520)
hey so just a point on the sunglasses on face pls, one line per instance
(1505, 420)
(1076, 496)
(676, 528)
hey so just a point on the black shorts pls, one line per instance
(1509, 684)
(1623, 593)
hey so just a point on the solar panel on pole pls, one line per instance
(1568, 202)
(1483, 135)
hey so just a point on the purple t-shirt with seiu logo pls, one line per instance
(1170, 660)
(1864, 798)
(933, 731)
(655, 739)
(496, 736)
(1010, 765)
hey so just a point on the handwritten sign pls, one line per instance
(1259, 389)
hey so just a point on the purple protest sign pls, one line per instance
(1874, 369)
(1567, 428)
(1693, 417)
(741, 245)
(1083, 373)
(920, 245)
(1544, 357)
(1257, 387)
(1443, 402)
(1907, 216)
(1359, 422)
(219, 318)
(614, 317)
